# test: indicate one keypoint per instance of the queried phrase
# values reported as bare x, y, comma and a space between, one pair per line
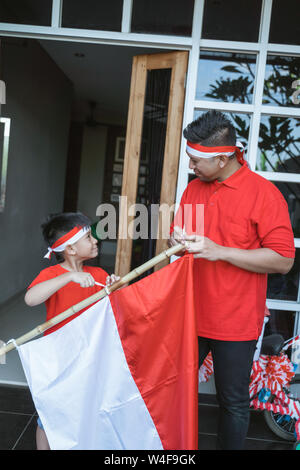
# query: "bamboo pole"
92, 299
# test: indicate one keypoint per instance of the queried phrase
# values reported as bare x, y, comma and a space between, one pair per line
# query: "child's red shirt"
70, 294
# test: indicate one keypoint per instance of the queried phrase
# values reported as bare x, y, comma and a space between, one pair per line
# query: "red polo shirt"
245, 211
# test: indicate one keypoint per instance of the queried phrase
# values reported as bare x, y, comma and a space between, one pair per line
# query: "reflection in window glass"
173, 17
33, 12
281, 72
240, 121
92, 14
285, 286
285, 25
279, 145
281, 322
231, 20
291, 193
226, 76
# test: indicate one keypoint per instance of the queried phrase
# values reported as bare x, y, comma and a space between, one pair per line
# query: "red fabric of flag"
157, 327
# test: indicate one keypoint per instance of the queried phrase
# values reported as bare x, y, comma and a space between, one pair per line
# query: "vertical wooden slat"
173, 139
131, 161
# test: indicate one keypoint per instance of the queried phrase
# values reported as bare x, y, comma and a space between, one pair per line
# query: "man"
247, 234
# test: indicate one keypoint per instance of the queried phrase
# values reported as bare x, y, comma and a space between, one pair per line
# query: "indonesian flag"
124, 373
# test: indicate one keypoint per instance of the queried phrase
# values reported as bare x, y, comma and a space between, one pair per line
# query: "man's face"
206, 169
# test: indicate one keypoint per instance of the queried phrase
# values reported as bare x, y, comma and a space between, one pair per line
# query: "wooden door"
176, 64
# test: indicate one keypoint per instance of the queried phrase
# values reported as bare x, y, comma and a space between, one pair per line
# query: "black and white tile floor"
18, 423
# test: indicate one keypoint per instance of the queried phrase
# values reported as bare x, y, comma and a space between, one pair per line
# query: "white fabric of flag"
82, 388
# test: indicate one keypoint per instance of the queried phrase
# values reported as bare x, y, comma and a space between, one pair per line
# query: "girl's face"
86, 247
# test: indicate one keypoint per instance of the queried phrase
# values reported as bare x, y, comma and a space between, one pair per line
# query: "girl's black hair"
211, 129
57, 225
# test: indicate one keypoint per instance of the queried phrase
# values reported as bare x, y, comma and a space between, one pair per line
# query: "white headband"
80, 233
197, 150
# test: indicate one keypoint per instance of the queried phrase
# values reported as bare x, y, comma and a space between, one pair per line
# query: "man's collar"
235, 180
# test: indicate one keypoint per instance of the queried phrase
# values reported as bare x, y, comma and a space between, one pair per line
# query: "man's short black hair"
57, 225
211, 129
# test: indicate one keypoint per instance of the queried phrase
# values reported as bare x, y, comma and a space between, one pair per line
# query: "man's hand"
176, 238
203, 247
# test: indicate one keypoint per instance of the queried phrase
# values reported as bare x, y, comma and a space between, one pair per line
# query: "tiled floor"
260, 437
18, 424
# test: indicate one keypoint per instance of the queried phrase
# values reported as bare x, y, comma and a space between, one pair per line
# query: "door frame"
177, 61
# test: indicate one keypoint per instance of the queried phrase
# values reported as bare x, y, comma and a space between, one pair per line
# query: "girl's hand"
84, 279
110, 280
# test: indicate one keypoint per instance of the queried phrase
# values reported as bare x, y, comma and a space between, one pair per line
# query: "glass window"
173, 17
291, 193
279, 144
281, 322
231, 20
285, 25
281, 73
226, 76
33, 12
92, 14
285, 286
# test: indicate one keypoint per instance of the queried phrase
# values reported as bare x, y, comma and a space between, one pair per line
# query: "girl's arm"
39, 293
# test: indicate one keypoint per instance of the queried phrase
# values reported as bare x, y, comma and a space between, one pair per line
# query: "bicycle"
272, 376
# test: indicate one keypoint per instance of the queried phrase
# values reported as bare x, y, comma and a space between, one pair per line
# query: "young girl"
65, 284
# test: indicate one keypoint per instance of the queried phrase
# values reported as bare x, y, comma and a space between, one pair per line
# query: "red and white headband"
71, 237
200, 151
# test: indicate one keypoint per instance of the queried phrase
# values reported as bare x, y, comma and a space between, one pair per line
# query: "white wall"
92, 170
38, 103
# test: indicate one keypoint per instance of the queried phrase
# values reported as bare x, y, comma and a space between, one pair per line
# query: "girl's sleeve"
44, 275
100, 275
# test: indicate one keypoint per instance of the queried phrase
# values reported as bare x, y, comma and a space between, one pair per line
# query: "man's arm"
260, 260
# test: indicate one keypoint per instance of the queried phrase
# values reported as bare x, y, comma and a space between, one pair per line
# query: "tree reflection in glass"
279, 144
230, 77
281, 72
226, 76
